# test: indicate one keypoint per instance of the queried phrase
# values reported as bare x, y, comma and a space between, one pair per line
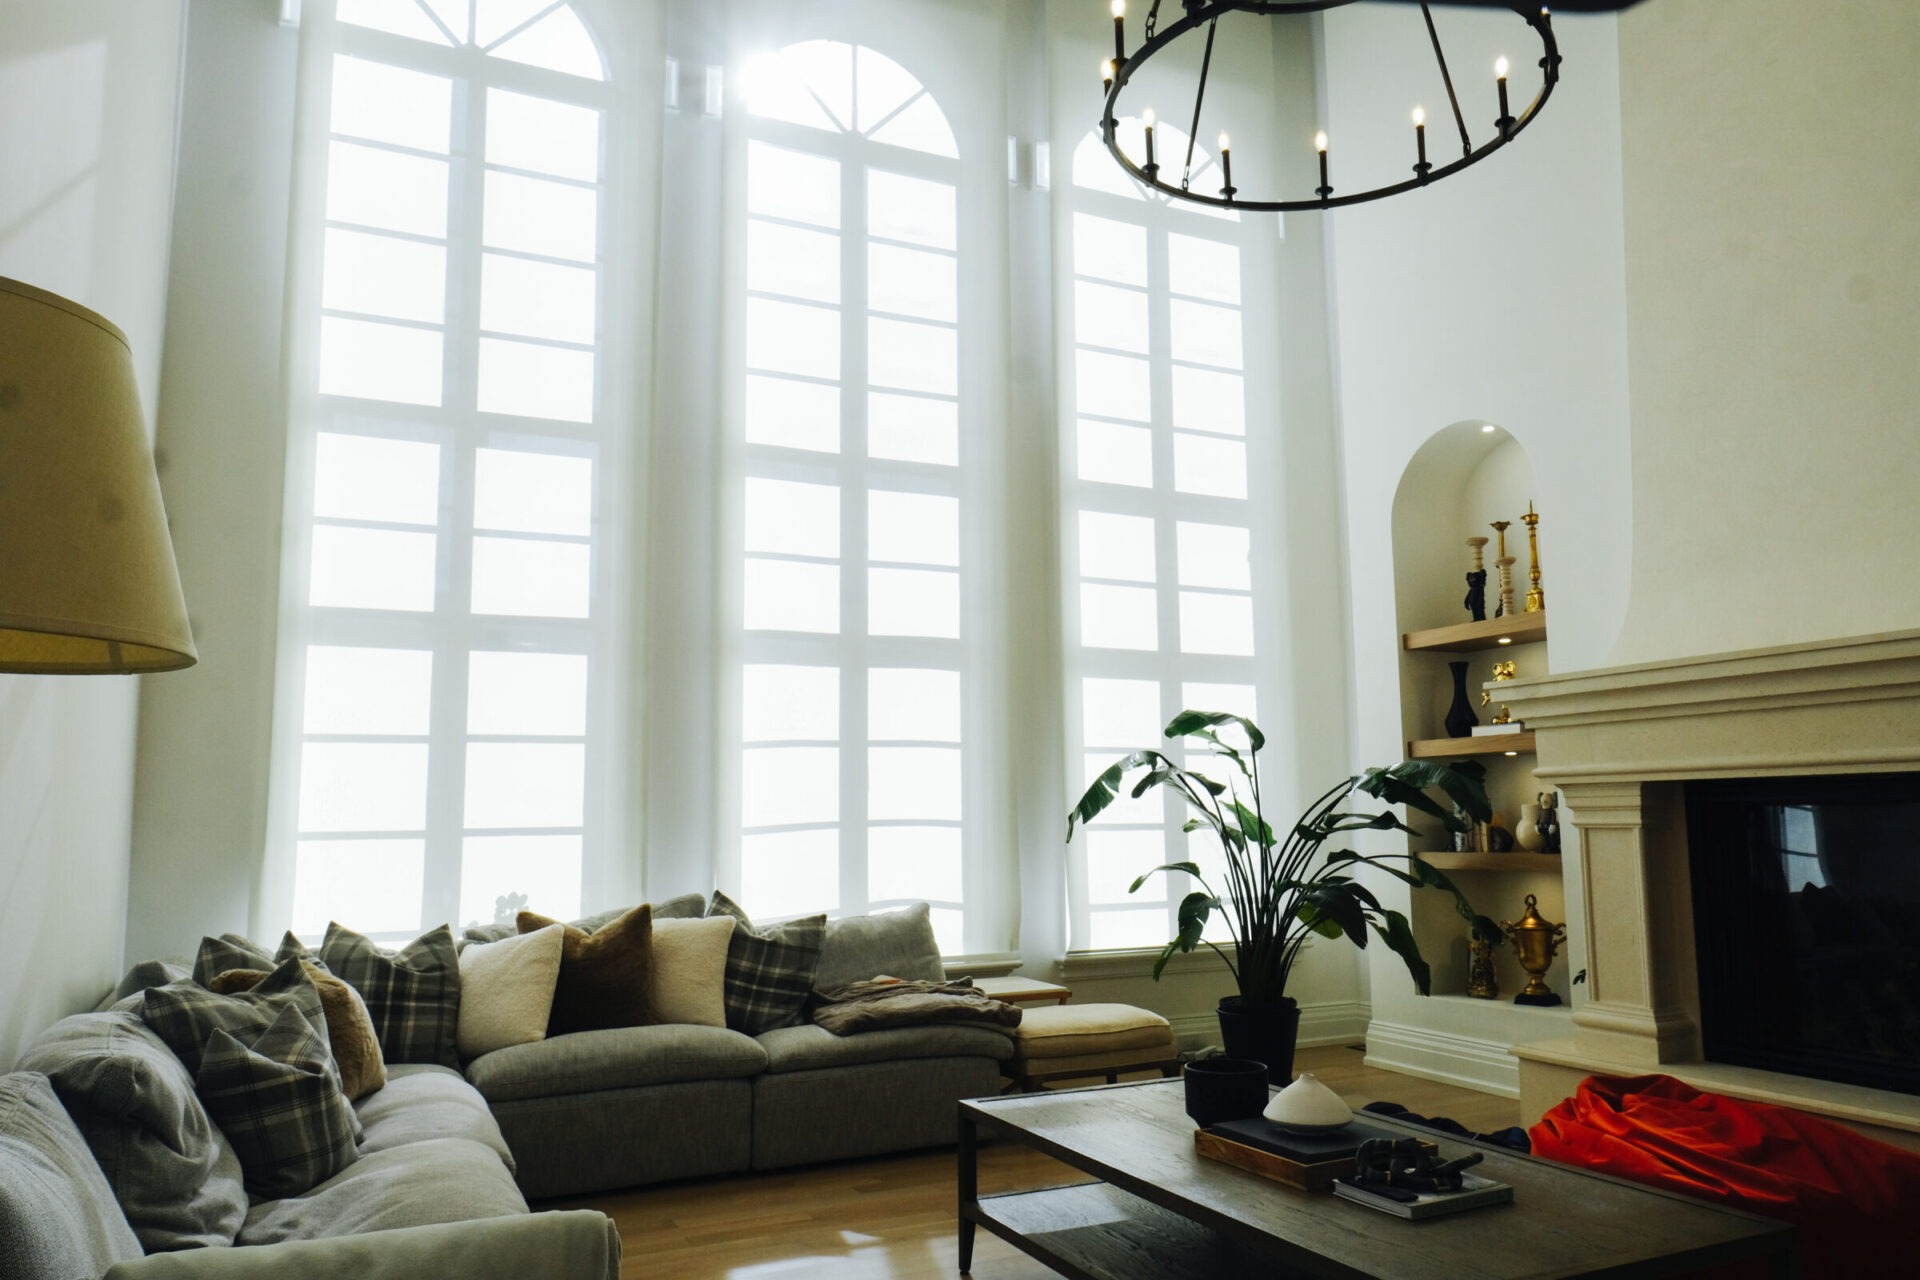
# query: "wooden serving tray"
1302, 1177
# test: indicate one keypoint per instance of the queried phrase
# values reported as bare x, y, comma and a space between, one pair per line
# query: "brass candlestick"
1505, 564
1536, 598
1535, 939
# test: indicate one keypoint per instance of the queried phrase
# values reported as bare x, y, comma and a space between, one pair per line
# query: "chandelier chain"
1433, 34
1200, 95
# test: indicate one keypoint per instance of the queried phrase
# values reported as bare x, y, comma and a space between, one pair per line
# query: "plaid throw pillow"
413, 994
769, 971
185, 1014
279, 1104
230, 951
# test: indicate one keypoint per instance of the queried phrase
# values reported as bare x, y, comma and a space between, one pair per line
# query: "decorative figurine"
1476, 601
1502, 672
1536, 598
1482, 984
1460, 718
1501, 560
1535, 939
1549, 821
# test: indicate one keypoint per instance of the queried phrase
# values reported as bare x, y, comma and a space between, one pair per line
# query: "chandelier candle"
1506, 117
1146, 119
1226, 168
1320, 145
1119, 31
1106, 72
1419, 140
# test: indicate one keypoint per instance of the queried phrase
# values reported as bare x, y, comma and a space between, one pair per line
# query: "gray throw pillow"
185, 1014
57, 1214
413, 994
230, 951
899, 944
769, 971
148, 973
279, 1102
175, 1175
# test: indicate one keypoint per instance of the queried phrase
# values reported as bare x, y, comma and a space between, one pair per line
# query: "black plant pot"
1263, 1032
1460, 717
1225, 1089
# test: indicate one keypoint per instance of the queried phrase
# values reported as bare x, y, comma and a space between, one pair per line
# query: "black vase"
1263, 1032
1225, 1089
1460, 717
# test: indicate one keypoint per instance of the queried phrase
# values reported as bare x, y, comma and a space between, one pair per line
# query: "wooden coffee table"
1158, 1211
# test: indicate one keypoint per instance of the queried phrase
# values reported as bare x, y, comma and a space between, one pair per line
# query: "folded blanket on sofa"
891, 1002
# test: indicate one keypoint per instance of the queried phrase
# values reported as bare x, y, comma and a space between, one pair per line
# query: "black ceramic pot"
1263, 1032
1225, 1089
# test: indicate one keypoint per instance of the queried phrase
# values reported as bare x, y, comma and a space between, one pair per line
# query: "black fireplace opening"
1806, 906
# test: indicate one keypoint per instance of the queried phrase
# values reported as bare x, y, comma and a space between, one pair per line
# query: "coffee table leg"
969, 1191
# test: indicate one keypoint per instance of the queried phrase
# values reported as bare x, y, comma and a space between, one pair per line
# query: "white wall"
1773, 258
1496, 295
87, 107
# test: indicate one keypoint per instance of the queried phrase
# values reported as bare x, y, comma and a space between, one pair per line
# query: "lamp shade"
88, 584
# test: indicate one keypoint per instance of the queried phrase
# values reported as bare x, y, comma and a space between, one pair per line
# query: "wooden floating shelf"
1493, 744
1518, 860
1466, 637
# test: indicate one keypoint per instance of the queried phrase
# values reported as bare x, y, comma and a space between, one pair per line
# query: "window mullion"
853, 528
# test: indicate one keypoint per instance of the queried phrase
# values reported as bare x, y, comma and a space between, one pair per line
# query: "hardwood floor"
892, 1218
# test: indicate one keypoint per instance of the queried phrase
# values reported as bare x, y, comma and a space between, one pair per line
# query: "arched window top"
538, 33
1094, 169
845, 88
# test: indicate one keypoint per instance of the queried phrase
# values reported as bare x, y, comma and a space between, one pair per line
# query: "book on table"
1475, 1193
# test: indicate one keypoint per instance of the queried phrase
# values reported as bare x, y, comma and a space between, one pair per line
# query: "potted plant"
1280, 889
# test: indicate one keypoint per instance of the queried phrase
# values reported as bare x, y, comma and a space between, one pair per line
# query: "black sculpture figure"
1476, 600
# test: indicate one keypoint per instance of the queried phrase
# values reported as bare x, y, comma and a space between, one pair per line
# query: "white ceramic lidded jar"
1307, 1106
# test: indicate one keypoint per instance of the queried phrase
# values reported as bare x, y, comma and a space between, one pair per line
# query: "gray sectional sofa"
601, 1110
108, 1166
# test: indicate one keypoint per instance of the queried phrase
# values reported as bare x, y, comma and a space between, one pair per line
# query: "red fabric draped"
1854, 1200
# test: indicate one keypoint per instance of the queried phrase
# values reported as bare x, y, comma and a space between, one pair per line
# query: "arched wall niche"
1461, 479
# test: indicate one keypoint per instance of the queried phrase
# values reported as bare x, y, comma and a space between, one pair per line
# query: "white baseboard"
1467, 1061
1336, 1022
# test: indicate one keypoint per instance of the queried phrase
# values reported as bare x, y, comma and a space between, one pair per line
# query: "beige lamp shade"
88, 583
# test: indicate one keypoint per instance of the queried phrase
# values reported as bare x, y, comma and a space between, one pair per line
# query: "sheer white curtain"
452, 634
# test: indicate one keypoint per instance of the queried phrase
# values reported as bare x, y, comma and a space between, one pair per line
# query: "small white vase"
1527, 834
1308, 1106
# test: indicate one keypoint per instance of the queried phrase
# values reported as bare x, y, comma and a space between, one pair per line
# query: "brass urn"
1535, 940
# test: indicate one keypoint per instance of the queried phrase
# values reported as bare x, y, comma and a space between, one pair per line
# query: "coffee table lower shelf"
1096, 1231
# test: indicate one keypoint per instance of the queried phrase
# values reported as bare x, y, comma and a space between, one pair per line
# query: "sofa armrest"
576, 1244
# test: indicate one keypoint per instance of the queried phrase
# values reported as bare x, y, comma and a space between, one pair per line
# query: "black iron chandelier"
1206, 14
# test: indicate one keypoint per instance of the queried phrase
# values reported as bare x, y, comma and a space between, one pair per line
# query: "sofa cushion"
421, 1102
148, 973
769, 971
1077, 1030
58, 1218
899, 944
175, 1175
619, 1058
690, 970
687, 906
506, 990
441, 1180
279, 1102
606, 977
185, 1014
811, 1048
356, 1050
413, 994
232, 951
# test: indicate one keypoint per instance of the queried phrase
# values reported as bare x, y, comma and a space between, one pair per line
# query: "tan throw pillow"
606, 977
690, 970
356, 1050
506, 990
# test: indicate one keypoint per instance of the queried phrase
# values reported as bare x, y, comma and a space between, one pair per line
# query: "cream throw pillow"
690, 970
506, 990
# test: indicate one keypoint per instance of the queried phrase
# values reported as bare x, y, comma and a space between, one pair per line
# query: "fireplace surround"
1622, 744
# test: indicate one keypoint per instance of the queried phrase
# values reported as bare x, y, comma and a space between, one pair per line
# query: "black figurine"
1476, 600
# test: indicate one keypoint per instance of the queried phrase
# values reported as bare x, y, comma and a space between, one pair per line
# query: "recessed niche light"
1513, 753
1504, 640
1488, 429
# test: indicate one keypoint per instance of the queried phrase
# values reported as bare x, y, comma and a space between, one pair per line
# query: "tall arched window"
451, 589
854, 651
1162, 579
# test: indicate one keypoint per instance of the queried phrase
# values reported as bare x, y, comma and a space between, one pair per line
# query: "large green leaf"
1190, 868
1106, 787
1188, 723
1409, 781
1398, 936
1251, 825
1338, 903
1317, 921
1335, 823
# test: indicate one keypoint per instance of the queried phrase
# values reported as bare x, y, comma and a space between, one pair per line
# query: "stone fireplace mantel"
1619, 742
